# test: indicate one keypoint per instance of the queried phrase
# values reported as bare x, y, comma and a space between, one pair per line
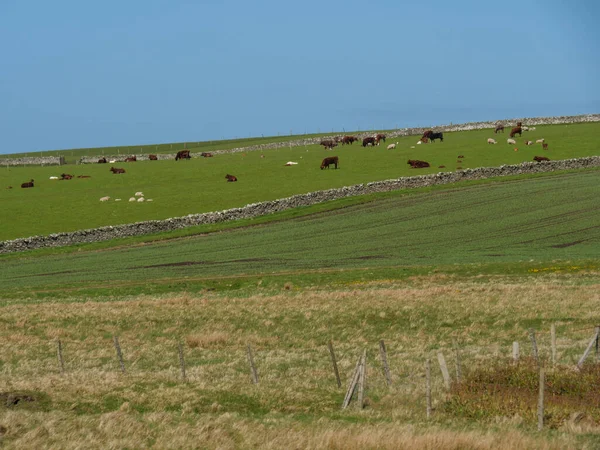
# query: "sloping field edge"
263, 208
584, 118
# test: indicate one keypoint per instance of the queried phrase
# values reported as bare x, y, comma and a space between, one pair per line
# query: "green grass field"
184, 187
532, 220
476, 263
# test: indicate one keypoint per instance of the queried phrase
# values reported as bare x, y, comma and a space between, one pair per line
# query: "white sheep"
112, 161
419, 143
532, 129
392, 146
105, 199
149, 200
528, 143
141, 199
117, 199
139, 194
540, 141
54, 178
491, 141
511, 141
132, 199
525, 128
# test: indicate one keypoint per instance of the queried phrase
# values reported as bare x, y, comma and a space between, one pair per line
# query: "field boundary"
417, 131
268, 207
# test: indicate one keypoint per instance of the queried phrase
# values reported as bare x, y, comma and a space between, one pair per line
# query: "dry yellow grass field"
296, 403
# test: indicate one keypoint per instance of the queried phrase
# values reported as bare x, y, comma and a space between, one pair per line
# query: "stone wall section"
33, 161
269, 207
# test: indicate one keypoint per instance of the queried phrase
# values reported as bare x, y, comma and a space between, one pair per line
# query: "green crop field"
182, 187
532, 220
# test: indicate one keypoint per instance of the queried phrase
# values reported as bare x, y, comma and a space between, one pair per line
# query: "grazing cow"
416, 164
545, 146
183, 154
330, 160
434, 136
131, 159
528, 143
84, 176
102, 160
516, 130
380, 137
368, 140
491, 141
27, 185
441, 167
511, 141
117, 170
460, 156
328, 143
65, 176
153, 157
499, 128
349, 140
540, 158
392, 146
539, 141
426, 135
206, 155
231, 177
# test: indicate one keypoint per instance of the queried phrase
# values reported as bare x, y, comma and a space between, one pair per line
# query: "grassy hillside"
183, 187
536, 221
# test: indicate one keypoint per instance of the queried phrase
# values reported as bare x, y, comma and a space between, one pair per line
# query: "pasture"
183, 187
478, 264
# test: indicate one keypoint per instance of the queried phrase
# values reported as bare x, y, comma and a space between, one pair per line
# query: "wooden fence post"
428, 386
181, 361
534, 345
334, 362
384, 361
589, 347
553, 342
458, 364
253, 371
352, 385
515, 352
540, 408
444, 369
362, 379
119, 353
61, 362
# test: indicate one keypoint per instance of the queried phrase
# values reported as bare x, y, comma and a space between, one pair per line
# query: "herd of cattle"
429, 136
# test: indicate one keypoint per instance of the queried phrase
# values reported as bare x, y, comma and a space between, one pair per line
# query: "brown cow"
117, 170
416, 164
83, 176
65, 176
102, 160
545, 146
131, 159
231, 177
330, 160
206, 155
328, 143
368, 140
27, 185
516, 130
153, 157
380, 137
540, 158
183, 154
499, 128
349, 140
426, 134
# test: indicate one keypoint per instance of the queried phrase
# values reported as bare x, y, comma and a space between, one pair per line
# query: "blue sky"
86, 74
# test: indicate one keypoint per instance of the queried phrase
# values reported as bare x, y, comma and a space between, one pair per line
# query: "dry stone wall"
34, 161
259, 209
532, 121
